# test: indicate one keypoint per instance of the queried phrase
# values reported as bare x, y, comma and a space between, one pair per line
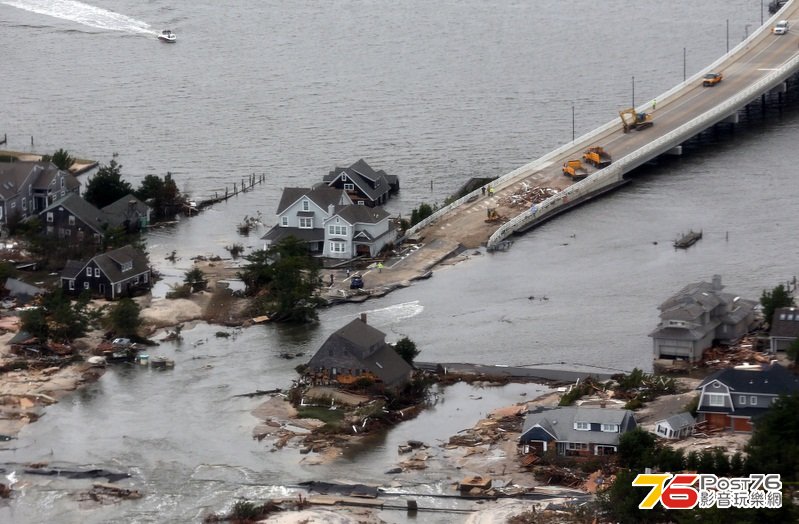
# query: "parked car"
356, 282
711, 79
780, 28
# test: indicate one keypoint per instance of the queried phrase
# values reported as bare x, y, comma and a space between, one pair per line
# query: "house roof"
322, 195
278, 233
676, 333
359, 344
364, 177
770, 380
13, 176
18, 288
785, 322
110, 264
41, 174
678, 421
83, 210
559, 422
355, 214
126, 208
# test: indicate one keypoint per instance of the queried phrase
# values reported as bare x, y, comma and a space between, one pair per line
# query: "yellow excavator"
631, 119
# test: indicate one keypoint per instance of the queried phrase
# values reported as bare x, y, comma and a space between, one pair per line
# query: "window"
88, 271
306, 223
337, 247
85, 285
284, 221
361, 203
119, 288
337, 230
610, 428
71, 283
349, 187
582, 426
127, 266
50, 216
71, 220
145, 277
343, 177
753, 400
97, 272
306, 206
24, 204
715, 399
742, 400
577, 446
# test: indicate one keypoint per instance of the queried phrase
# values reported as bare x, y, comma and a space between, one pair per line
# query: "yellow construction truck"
574, 169
631, 119
597, 157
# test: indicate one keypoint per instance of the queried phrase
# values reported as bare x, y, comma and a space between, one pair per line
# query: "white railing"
542, 162
615, 171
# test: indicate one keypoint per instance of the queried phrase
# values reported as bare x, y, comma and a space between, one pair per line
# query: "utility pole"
683, 64
633, 91
728, 35
572, 122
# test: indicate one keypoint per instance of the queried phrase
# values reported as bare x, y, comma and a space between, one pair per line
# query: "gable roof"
83, 210
46, 172
772, 379
678, 421
559, 422
785, 322
110, 264
322, 195
355, 214
119, 211
364, 177
13, 176
358, 344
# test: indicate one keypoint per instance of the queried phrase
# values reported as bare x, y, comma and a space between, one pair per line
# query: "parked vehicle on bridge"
574, 169
597, 157
631, 119
780, 28
711, 79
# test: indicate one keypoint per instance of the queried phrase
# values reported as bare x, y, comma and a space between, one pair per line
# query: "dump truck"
597, 157
631, 119
574, 169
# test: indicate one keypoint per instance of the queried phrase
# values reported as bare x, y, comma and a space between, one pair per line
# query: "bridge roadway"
759, 65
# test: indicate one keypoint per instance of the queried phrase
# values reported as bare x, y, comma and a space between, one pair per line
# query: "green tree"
107, 186
125, 318
34, 322
637, 449
793, 351
161, 194
62, 159
774, 446
58, 318
418, 214
406, 348
774, 299
195, 279
285, 279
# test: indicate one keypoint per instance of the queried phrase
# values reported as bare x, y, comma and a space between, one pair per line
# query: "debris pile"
527, 196
560, 476
743, 352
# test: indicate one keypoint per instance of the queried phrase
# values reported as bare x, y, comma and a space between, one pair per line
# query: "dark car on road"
356, 282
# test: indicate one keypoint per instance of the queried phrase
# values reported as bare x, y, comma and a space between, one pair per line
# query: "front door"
102, 289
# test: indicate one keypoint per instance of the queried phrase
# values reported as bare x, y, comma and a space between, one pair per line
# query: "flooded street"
434, 93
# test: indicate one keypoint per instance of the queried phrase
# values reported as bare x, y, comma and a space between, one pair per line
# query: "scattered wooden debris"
527, 196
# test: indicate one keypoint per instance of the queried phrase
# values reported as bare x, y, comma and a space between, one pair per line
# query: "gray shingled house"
676, 426
784, 328
733, 398
28, 187
357, 351
699, 315
364, 185
575, 431
117, 273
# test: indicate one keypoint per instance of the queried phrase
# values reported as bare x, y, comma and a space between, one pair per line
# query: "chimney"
363, 318
717, 283
331, 210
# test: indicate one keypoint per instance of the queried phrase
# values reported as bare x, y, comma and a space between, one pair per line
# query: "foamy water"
85, 14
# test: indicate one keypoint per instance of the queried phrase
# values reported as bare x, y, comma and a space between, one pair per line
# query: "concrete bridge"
759, 66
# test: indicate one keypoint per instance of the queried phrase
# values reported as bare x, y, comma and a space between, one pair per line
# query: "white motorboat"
167, 36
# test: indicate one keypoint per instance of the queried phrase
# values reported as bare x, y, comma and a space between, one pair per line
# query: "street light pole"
761, 12
633, 91
572, 122
728, 35
683, 64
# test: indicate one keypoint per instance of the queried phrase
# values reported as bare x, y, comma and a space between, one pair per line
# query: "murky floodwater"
432, 92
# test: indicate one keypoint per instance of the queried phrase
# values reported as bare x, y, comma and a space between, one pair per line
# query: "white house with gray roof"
699, 315
575, 431
330, 224
676, 426
26, 188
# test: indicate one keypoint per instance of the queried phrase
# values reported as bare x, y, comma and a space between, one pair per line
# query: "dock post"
412, 507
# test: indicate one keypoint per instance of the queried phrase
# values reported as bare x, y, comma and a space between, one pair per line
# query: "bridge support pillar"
781, 88
731, 119
675, 151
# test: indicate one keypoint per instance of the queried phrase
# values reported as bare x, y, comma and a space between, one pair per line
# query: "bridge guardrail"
615, 171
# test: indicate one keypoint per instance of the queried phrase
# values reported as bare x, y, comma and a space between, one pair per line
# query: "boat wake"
83, 14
